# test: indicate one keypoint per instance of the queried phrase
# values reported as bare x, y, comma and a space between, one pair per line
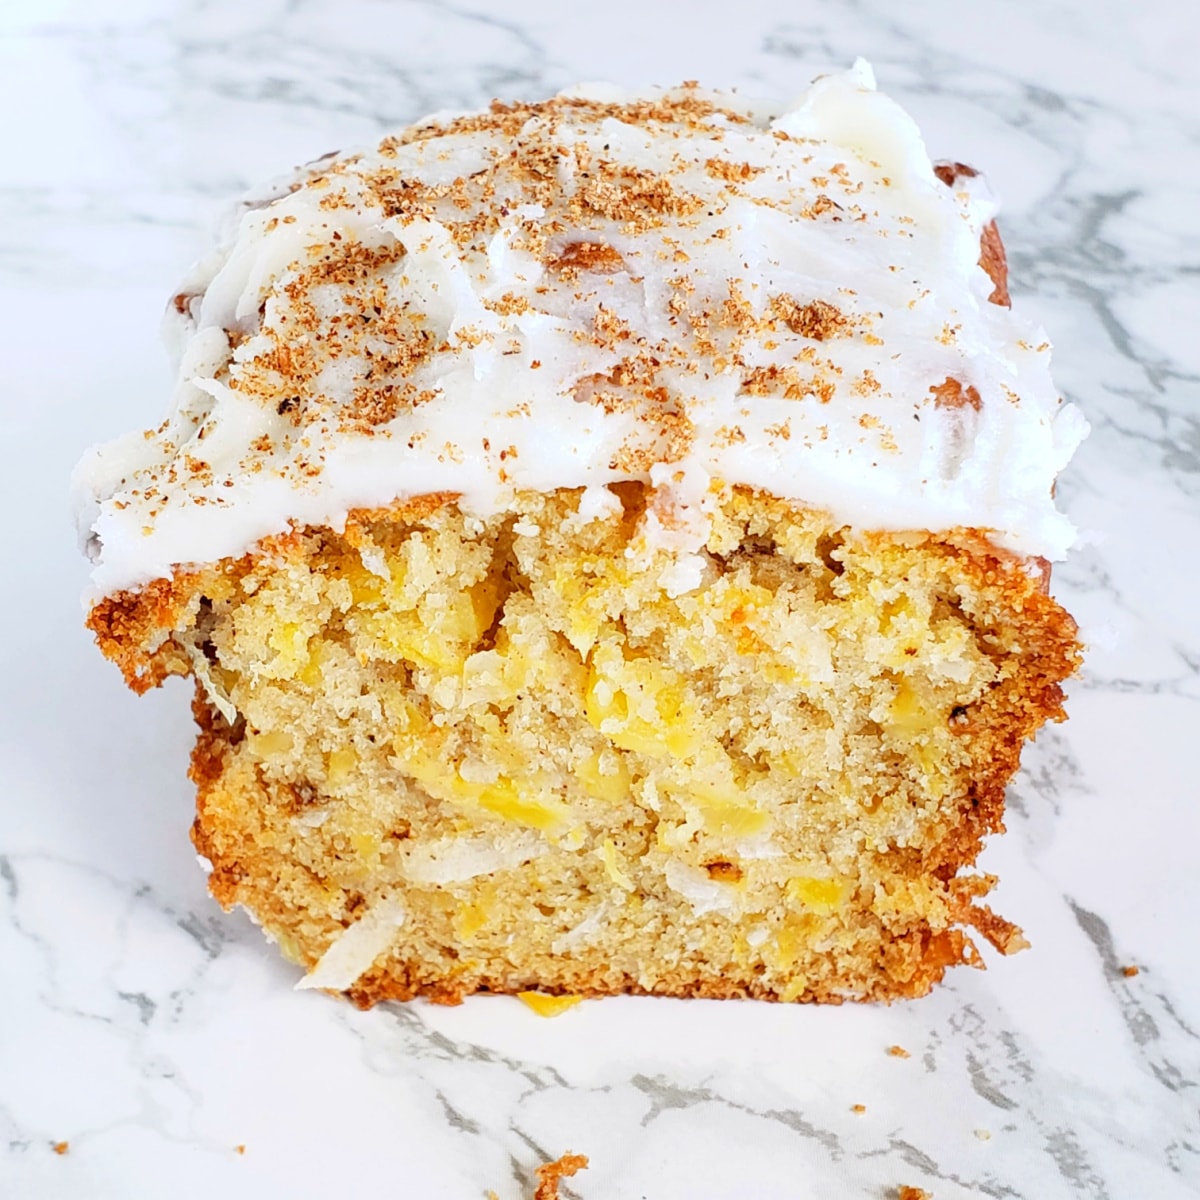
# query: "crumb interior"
562, 761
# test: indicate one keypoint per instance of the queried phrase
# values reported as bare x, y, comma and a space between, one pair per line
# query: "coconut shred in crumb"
681, 286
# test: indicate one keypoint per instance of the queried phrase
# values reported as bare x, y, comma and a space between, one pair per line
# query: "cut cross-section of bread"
460, 755
610, 539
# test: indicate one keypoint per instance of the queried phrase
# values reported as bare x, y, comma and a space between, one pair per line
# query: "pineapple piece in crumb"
528, 802
340, 765
271, 743
614, 865
604, 776
793, 937
820, 896
439, 637
910, 714
590, 589
640, 705
523, 804
469, 920
714, 801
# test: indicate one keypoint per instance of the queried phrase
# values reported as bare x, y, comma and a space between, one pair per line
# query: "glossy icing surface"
678, 287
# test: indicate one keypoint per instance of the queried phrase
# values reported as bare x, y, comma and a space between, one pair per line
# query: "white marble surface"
156, 1035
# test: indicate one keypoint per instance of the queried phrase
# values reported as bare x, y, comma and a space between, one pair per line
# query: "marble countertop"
156, 1043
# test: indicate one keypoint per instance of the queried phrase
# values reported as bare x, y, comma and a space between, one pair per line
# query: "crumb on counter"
546, 1005
858, 1108
550, 1174
1130, 971
898, 1052
61, 1148
912, 1193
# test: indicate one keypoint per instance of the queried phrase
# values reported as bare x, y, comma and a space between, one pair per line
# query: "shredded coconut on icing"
681, 288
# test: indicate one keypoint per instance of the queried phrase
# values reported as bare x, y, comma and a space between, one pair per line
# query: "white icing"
509, 398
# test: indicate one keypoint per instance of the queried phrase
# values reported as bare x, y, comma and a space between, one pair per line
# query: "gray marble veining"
156, 1036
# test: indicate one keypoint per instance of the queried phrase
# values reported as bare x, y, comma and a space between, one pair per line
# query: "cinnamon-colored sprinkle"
951, 393
589, 256
818, 319
731, 172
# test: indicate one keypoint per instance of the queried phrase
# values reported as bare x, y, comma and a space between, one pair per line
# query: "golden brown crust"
133, 626
992, 257
995, 262
130, 628
916, 946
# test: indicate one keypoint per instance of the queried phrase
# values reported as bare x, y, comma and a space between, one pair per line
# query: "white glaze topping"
684, 288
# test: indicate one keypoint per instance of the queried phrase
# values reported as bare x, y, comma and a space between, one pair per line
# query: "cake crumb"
546, 1005
1130, 971
858, 1108
898, 1052
61, 1148
912, 1193
549, 1175
984, 1135
240, 1148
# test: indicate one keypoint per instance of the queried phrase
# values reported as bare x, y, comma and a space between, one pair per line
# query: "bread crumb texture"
441, 755
550, 1174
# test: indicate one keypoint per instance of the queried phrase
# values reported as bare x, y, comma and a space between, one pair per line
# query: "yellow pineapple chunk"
820, 896
792, 939
545, 812
270, 742
612, 785
318, 655
793, 989
439, 637
524, 804
587, 593
290, 643
613, 864
640, 706
907, 713
712, 797
340, 765
366, 588
546, 1005
366, 846
727, 816
469, 920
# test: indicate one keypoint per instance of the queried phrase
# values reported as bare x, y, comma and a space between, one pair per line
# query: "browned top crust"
992, 257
